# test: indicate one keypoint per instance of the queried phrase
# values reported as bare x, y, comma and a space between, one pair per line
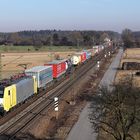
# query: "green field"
43, 48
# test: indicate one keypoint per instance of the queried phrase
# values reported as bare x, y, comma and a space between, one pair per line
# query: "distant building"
107, 40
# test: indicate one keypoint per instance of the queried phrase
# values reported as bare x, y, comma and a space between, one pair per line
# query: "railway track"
13, 128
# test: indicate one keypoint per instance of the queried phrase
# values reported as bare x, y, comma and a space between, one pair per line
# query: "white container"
96, 49
76, 59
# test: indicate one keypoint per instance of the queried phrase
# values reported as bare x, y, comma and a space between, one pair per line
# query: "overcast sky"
17, 15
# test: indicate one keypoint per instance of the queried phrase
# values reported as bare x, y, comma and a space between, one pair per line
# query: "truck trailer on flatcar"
44, 75
58, 66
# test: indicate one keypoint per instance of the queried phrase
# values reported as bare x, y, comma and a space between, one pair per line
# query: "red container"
59, 67
83, 56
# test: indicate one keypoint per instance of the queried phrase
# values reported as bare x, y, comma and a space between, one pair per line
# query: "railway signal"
56, 104
98, 64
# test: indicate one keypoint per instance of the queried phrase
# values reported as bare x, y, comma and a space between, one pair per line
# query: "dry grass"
10, 61
125, 73
130, 55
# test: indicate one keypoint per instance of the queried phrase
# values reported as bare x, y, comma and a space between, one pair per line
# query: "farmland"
4, 48
15, 58
13, 63
130, 55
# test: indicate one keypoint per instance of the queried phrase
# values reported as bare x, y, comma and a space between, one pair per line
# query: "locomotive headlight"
1, 105
1, 102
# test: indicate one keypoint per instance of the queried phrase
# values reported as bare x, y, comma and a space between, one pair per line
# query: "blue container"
88, 54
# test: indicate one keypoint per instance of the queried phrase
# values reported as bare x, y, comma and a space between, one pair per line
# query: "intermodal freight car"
96, 49
43, 74
88, 54
20, 87
78, 58
58, 66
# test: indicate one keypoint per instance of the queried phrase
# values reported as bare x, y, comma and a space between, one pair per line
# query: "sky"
116, 15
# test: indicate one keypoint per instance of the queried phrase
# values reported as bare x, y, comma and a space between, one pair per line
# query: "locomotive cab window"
1, 94
9, 92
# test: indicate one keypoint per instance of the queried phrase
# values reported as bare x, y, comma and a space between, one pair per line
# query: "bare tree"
127, 38
117, 111
103, 36
77, 37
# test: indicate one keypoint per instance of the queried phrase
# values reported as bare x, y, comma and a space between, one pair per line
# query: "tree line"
56, 38
131, 39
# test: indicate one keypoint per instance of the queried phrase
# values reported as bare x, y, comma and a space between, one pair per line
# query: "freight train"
19, 88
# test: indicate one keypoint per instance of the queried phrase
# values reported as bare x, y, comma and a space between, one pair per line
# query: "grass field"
42, 49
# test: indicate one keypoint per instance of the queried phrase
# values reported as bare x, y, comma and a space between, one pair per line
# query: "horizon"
70, 30
79, 15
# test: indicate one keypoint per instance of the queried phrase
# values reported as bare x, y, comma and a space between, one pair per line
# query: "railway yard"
36, 118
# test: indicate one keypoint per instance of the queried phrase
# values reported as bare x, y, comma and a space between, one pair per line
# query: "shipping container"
66, 61
78, 58
88, 54
24, 89
83, 56
92, 52
44, 74
58, 66
96, 49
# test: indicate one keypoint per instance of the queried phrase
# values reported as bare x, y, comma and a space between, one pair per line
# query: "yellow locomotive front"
7, 98
17, 92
